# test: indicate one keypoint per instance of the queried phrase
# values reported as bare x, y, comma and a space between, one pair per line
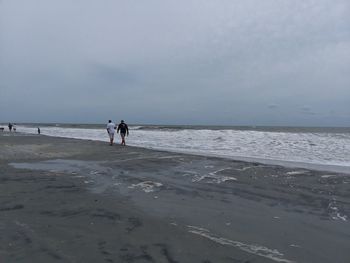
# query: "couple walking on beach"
12, 127
122, 127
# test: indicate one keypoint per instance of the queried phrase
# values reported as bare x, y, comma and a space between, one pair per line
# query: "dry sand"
65, 200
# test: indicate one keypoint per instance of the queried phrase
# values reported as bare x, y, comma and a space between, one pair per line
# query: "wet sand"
65, 200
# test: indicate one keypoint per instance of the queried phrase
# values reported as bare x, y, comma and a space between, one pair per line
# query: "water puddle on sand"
58, 165
97, 177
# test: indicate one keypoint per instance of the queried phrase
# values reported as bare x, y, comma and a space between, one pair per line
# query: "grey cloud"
109, 77
184, 61
307, 110
272, 106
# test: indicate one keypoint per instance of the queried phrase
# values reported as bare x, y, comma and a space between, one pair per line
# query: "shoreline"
84, 201
333, 168
272, 162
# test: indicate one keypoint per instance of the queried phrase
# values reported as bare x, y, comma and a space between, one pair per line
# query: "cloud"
228, 60
272, 106
307, 110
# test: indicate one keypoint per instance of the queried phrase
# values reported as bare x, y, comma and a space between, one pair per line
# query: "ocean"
314, 148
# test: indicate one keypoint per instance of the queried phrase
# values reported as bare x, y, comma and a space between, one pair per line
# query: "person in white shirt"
111, 129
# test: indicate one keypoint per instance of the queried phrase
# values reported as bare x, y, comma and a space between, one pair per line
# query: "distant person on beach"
38, 130
10, 127
124, 130
110, 130
14, 127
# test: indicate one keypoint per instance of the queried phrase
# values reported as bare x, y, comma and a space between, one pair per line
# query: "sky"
200, 62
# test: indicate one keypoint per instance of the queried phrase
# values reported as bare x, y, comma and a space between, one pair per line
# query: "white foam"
294, 245
329, 150
262, 251
244, 168
328, 175
296, 172
225, 178
169, 157
218, 171
212, 177
334, 211
88, 181
339, 216
146, 186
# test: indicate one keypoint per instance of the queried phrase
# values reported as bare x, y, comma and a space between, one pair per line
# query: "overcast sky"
230, 62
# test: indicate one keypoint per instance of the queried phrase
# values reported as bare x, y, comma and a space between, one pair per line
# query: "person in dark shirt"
124, 130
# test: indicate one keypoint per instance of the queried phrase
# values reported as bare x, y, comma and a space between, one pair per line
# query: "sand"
66, 200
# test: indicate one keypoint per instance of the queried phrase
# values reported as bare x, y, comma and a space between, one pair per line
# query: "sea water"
316, 148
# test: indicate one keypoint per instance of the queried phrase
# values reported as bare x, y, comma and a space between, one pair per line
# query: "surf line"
272, 254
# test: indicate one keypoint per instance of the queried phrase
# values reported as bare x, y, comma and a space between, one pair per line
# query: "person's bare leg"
111, 139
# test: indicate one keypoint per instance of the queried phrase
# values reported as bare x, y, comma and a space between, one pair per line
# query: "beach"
70, 200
